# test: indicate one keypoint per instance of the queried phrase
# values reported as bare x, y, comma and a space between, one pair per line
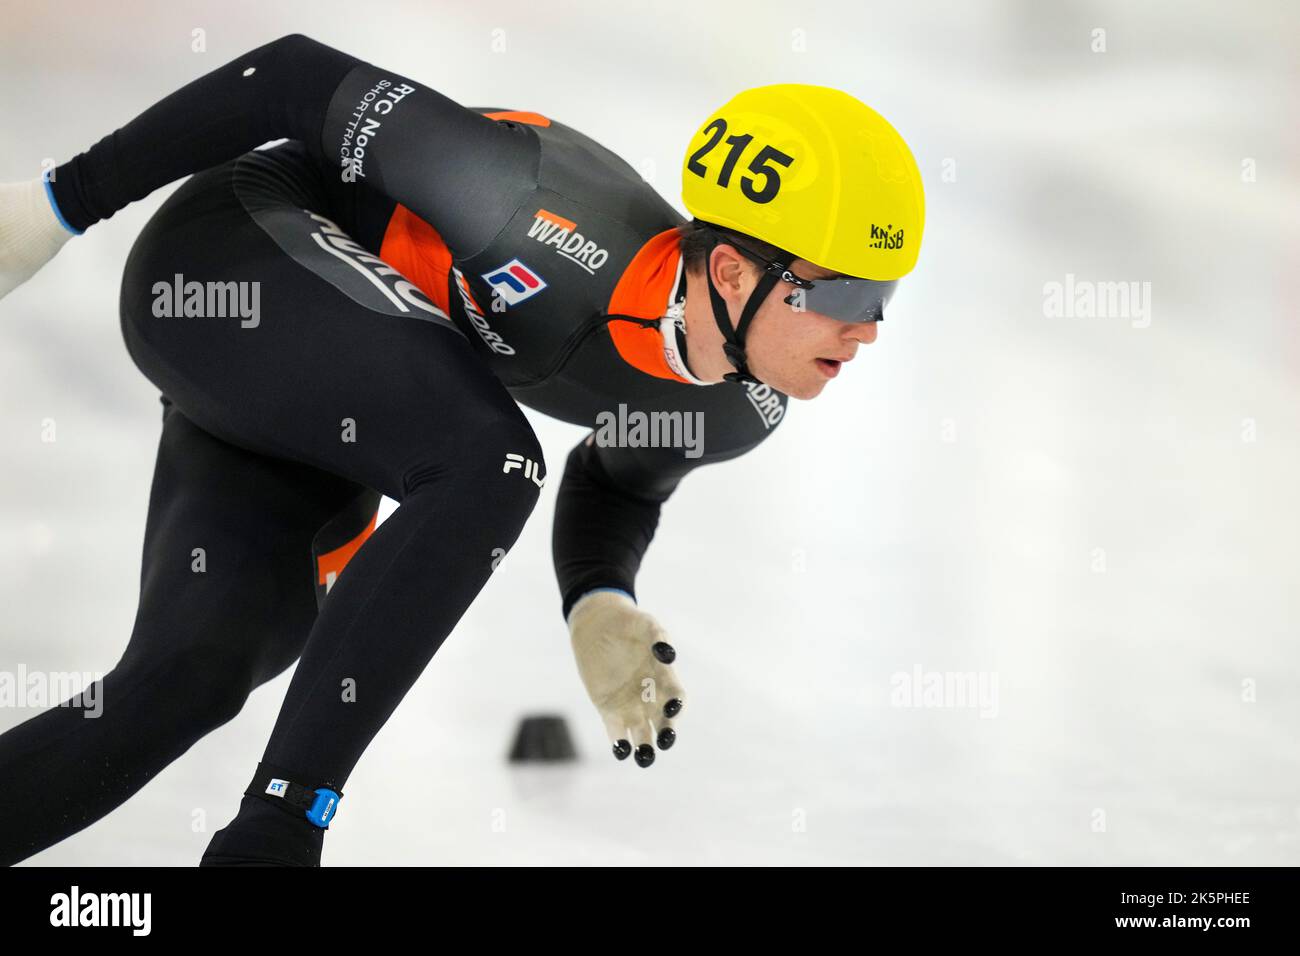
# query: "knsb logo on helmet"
884, 239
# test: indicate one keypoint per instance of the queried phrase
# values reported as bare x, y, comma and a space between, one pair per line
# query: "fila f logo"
514, 282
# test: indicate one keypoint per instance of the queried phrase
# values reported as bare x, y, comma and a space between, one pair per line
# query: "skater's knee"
509, 468
499, 464
518, 453
198, 686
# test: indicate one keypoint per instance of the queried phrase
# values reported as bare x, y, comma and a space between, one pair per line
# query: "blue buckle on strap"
323, 808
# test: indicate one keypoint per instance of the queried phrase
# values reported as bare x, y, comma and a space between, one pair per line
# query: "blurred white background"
1099, 512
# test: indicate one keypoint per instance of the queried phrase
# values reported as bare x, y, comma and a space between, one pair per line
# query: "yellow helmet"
813, 171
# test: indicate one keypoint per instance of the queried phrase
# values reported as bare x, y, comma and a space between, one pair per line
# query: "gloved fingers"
667, 705
663, 703
661, 647
616, 729
672, 697
663, 652
665, 733
665, 655
643, 734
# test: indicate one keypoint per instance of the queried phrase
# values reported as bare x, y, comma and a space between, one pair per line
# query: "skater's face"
794, 350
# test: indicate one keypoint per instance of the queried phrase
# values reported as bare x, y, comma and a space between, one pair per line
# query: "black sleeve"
601, 530
607, 508
448, 164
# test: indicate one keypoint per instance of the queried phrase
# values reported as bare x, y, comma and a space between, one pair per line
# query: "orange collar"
644, 291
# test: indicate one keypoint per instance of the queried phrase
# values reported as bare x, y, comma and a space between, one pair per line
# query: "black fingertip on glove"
664, 651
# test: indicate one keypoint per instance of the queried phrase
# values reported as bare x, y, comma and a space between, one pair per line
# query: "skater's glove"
625, 661
30, 232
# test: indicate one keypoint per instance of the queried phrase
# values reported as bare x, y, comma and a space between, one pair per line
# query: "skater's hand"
30, 232
624, 659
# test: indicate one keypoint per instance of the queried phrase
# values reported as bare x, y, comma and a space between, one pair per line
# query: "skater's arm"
610, 497
607, 510
364, 124
602, 528
605, 516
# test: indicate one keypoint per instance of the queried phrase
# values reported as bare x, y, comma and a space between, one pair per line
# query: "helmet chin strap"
733, 344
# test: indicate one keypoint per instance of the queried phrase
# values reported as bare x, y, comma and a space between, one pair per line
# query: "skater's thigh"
227, 588
328, 362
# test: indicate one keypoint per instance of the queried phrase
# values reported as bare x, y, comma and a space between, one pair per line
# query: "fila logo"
529, 466
514, 282
552, 230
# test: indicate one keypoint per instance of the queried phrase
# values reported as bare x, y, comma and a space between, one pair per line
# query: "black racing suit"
355, 312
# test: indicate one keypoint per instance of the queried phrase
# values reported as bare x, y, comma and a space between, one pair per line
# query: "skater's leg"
384, 620
226, 603
331, 375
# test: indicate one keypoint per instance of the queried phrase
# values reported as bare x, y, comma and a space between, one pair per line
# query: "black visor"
848, 300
